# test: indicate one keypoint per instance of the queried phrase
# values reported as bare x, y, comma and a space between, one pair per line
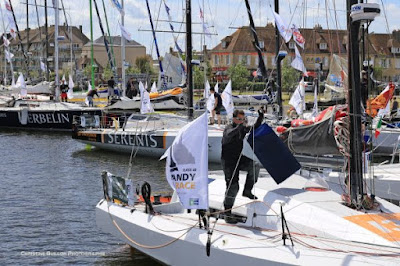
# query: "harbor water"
50, 185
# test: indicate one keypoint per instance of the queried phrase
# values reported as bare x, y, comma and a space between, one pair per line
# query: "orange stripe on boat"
164, 139
386, 225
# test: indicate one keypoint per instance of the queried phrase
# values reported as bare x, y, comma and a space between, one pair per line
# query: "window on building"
323, 46
325, 61
384, 63
224, 44
292, 45
216, 60
248, 60
261, 44
397, 63
256, 61
395, 50
227, 59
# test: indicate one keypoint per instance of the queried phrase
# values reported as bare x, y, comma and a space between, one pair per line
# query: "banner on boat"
187, 164
118, 189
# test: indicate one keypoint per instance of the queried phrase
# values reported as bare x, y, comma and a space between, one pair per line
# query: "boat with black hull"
42, 115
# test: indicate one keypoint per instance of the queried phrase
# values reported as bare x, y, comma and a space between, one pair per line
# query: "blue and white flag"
118, 6
283, 28
187, 164
125, 33
298, 63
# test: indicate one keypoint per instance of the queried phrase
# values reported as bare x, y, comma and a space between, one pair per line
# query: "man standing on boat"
90, 95
111, 84
233, 161
217, 106
64, 90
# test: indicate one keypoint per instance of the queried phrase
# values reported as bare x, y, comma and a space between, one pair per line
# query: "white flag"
206, 92
187, 164
145, 86
42, 66
9, 56
10, 17
89, 86
145, 106
297, 99
283, 28
21, 85
298, 63
125, 33
141, 88
63, 78
227, 100
297, 37
216, 87
315, 107
6, 41
71, 85
153, 87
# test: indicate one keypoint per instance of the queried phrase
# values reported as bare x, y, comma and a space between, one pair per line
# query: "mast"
164, 84
278, 65
56, 11
19, 36
123, 47
109, 34
5, 48
27, 36
91, 44
40, 36
189, 80
355, 160
256, 43
70, 35
47, 40
204, 48
105, 39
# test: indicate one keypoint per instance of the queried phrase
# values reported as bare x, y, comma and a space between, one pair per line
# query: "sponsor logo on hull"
132, 139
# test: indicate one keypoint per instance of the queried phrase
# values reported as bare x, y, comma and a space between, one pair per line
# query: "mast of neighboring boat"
27, 37
355, 160
123, 59
69, 27
46, 31
91, 44
278, 65
56, 24
40, 36
5, 36
189, 80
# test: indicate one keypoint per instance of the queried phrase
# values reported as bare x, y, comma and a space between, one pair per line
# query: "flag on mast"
125, 33
9, 55
298, 63
297, 37
187, 164
71, 85
283, 28
10, 17
206, 31
297, 100
6, 41
227, 100
118, 6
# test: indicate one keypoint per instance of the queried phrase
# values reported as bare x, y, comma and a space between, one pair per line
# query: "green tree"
378, 72
87, 71
290, 76
239, 74
132, 70
145, 64
107, 72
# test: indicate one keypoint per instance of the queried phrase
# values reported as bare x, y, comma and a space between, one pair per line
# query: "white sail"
227, 99
71, 85
145, 107
21, 85
297, 99
173, 73
153, 87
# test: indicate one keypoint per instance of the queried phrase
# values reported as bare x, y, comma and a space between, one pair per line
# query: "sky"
222, 16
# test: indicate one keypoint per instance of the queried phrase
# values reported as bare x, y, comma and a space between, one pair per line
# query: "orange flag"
380, 101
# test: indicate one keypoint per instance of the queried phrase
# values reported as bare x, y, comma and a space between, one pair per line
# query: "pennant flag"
21, 85
298, 63
315, 107
216, 87
187, 164
9, 55
227, 100
141, 88
283, 28
118, 6
125, 33
70, 93
380, 101
153, 87
297, 100
145, 107
378, 128
206, 92
6, 41
277, 158
43, 66
297, 37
